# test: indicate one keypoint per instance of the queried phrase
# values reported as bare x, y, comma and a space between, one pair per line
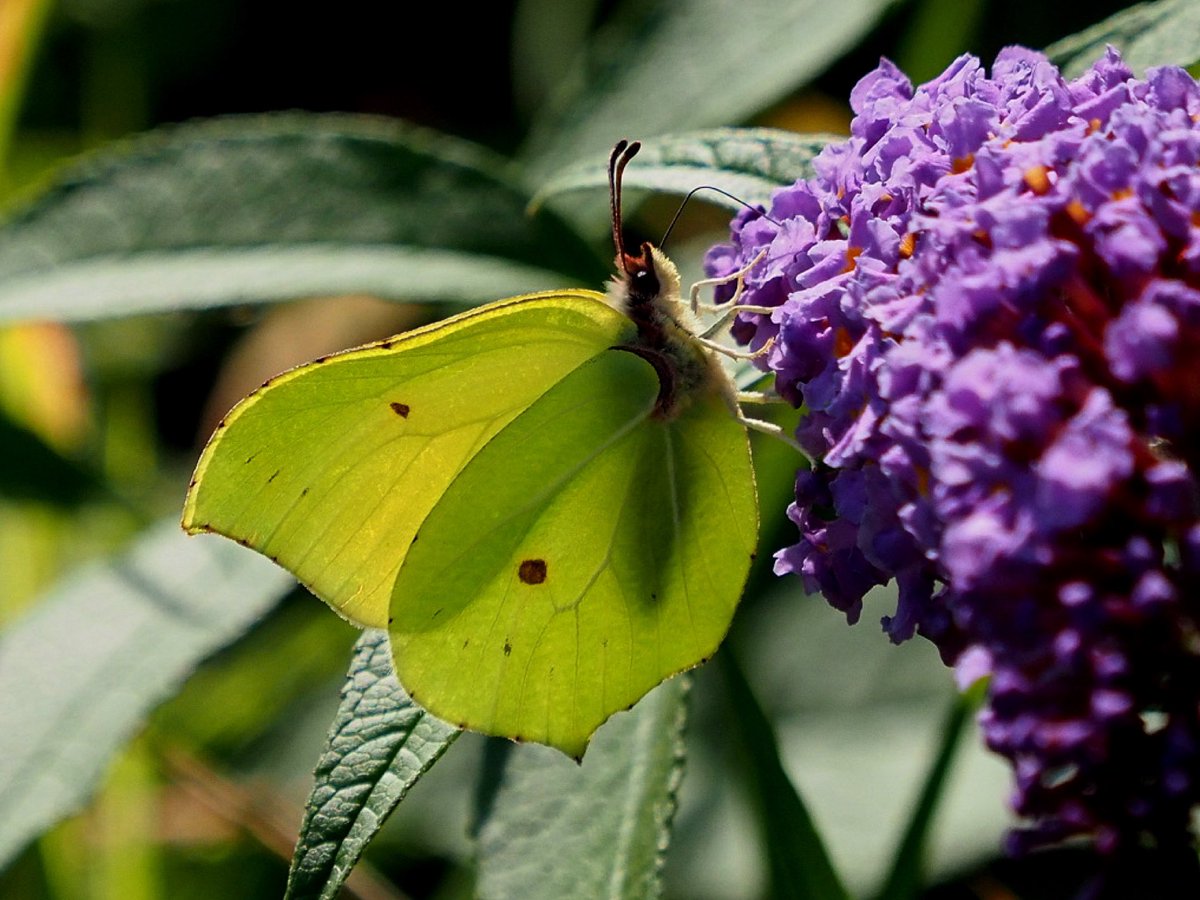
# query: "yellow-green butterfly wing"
589, 551
330, 468
549, 501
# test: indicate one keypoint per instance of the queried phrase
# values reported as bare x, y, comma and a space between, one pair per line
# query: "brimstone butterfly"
548, 501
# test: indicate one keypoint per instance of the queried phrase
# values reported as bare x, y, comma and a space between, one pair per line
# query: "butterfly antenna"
709, 187
622, 153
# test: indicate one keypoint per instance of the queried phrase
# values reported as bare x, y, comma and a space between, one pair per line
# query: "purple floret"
988, 302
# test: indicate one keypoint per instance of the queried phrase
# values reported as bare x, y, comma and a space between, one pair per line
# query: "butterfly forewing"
330, 468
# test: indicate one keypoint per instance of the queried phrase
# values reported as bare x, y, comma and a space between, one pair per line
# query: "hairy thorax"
647, 290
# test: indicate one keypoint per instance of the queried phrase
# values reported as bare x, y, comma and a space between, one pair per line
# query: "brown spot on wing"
532, 571
400, 409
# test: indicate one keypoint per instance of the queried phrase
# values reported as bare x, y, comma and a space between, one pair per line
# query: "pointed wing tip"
191, 499
190, 526
190, 519
573, 750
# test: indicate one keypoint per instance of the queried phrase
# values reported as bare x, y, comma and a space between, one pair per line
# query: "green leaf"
857, 721
277, 207
1149, 34
380, 745
690, 64
799, 864
600, 829
79, 673
908, 864
751, 163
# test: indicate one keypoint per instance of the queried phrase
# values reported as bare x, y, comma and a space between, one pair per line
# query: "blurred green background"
206, 800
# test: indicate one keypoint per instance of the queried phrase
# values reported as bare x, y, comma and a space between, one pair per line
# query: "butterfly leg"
718, 347
759, 397
728, 314
739, 276
776, 431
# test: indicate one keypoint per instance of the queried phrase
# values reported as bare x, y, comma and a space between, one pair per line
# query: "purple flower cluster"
988, 305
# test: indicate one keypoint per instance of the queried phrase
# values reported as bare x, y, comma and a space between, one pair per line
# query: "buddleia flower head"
987, 301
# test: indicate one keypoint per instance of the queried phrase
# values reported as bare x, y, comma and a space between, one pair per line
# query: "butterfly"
548, 501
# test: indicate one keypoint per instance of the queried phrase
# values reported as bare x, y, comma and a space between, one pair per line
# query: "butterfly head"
648, 275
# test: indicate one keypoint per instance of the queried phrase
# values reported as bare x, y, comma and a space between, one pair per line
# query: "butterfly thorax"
646, 289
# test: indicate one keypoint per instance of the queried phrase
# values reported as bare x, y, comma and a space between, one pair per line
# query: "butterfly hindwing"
589, 551
330, 468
